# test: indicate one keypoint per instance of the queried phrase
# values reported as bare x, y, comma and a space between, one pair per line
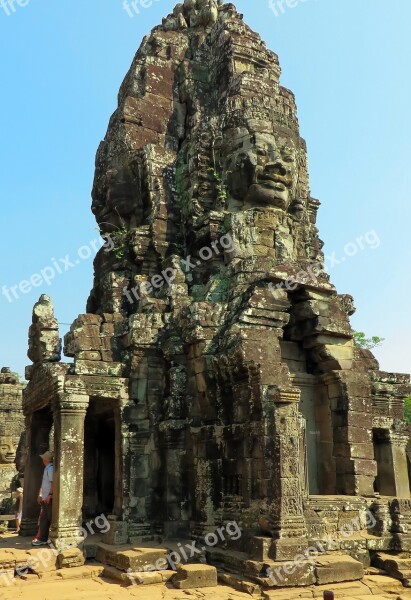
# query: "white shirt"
47, 481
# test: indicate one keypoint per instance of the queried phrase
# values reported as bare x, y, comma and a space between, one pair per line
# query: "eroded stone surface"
215, 377
11, 429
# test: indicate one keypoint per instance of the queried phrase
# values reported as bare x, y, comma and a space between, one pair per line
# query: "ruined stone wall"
11, 430
213, 337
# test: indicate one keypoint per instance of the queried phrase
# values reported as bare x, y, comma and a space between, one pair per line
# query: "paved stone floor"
83, 584
90, 589
96, 588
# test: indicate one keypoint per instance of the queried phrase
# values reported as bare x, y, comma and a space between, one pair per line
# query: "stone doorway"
384, 483
99, 459
40, 439
319, 473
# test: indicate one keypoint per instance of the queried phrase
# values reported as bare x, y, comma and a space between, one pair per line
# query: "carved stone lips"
275, 181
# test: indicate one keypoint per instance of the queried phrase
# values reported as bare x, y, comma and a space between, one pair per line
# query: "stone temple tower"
215, 377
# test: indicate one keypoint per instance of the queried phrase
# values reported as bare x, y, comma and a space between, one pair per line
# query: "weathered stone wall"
216, 357
11, 430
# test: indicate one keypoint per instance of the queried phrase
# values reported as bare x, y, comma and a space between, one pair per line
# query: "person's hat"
47, 456
19, 490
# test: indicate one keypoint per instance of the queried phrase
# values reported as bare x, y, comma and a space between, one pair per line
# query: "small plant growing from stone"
367, 343
222, 195
120, 237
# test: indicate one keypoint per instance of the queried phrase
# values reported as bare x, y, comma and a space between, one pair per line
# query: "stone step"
229, 560
383, 583
239, 583
337, 568
397, 566
325, 569
133, 559
184, 549
280, 574
194, 577
85, 572
385, 561
346, 591
137, 578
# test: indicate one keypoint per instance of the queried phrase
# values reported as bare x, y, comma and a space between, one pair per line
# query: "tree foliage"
19, 378
407, 410
367, 343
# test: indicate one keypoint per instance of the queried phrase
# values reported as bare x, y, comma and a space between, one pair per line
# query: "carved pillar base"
117, 535
140, 532
65, 537
29, 527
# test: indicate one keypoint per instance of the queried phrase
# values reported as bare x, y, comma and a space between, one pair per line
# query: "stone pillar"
141, 455
285, 494
69, 416
402, 485
173, 440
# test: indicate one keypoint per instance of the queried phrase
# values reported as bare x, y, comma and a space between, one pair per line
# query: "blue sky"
348, 63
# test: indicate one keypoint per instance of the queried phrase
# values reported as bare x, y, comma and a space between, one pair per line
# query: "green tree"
20, 379
367, 343
407, 410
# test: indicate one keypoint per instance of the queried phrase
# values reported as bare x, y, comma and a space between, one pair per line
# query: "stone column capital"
399, 439
71, 403
280, 395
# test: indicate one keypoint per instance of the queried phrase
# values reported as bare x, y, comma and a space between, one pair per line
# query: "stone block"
85, 572
337, 568
351, 434
357, 466
240, 584
43, 560
70, 558
117, 534
138, 559
194, 576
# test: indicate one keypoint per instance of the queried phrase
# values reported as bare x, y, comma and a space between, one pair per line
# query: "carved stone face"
7, 450
262, 169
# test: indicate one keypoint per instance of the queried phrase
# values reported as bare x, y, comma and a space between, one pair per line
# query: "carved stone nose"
277, 167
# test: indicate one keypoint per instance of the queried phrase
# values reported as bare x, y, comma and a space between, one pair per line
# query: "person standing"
45, 499
18, 508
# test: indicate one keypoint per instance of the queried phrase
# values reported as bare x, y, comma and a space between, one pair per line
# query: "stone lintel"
283, 395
